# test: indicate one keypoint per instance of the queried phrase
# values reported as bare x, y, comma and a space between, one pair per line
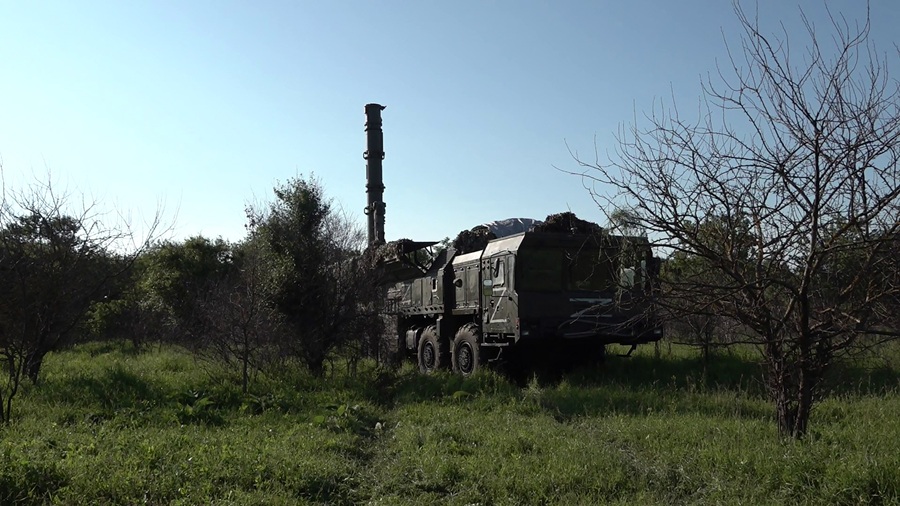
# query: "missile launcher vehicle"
531, 294
561, 289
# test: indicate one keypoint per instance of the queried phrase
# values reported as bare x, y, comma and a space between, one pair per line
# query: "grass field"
109, 425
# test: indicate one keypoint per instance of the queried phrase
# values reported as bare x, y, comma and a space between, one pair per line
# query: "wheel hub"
428, 355
464, 358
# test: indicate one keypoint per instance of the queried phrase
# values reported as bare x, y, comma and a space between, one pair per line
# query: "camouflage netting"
475, 239
394, 263
390, 250
567, 223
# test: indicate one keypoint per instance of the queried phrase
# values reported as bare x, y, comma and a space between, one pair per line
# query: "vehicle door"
496, 293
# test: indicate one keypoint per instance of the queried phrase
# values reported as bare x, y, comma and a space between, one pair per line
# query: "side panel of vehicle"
499, 300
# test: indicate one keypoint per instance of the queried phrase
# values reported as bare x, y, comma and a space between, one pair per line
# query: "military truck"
563, 292
558, 296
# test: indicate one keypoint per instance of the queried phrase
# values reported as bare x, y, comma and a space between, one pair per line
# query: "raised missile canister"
374, 155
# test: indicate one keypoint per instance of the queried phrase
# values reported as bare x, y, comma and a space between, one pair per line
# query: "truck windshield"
560, 269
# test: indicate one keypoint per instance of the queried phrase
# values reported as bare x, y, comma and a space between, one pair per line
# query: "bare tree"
704, 325
57, 257
240, 324
795, 157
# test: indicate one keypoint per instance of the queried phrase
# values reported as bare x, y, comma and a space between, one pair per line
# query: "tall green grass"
115, 425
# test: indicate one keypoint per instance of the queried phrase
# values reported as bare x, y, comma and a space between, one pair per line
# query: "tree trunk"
804, 403
786, 414
33, 363
316, 366
245, 366
245, 359
705, 354
793, 406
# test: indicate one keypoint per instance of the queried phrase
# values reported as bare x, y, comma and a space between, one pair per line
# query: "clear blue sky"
204, 105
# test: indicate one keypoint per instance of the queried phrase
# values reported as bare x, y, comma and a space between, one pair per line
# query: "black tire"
433, 353
466, 352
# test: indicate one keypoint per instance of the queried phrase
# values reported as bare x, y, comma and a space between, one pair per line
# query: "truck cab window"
499, 272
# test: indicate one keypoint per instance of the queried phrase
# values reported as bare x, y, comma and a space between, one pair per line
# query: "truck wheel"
432, 352
466, 352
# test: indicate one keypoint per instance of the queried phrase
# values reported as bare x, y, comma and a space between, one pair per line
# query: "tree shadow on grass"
109, 347
728, 385
114, 388
736, 372
850, 378
118, 393
565, 402
635, 386
723, 373
415, 387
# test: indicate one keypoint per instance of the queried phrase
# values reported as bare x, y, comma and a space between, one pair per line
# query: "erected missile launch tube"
374, 155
